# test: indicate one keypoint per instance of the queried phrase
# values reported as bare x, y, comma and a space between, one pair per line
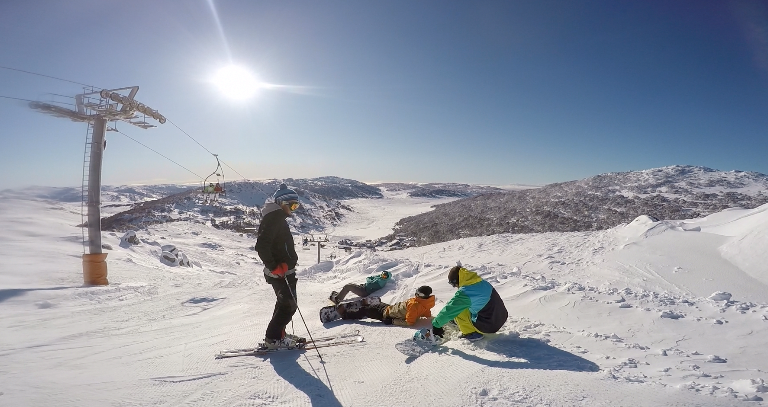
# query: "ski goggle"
293, 205
454, 283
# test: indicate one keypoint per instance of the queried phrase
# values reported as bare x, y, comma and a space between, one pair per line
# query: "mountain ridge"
594, 203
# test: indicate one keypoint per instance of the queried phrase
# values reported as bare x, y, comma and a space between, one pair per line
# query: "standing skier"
275, 247
476, 307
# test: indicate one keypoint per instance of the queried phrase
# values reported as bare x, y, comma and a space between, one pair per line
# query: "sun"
236, 82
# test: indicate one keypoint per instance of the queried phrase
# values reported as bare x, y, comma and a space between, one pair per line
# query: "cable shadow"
534, 353
286, 365
9, 293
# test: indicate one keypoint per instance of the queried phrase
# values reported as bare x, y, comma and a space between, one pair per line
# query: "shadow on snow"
287, 366
530, 352
9, 293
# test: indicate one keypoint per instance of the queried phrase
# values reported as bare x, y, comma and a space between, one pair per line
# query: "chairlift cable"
29, 100
49, 76
96, 87
204, 148
21, 99
193, 139
158, 153
215, 155
99, 88
241, 175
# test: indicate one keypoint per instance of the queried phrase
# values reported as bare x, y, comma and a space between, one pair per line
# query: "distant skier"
274, 245
372, 284
476, 307
402, 313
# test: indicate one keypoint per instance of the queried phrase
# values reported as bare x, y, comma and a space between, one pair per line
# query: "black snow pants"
285, 306
368, 311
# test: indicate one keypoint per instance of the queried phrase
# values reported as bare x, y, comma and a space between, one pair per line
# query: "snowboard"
331, 312
421, 343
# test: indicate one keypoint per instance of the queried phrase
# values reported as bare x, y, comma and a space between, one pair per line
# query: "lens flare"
236, 82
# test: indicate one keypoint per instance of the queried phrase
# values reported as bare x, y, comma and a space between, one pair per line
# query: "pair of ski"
321, 342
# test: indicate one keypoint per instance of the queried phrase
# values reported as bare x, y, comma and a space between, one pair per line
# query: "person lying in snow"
476, 307
372, 284
403, 313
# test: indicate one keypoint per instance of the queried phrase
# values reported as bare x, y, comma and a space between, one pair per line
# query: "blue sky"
505, 92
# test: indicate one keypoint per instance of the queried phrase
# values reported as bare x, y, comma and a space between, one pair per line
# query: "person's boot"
295, 338
285, 343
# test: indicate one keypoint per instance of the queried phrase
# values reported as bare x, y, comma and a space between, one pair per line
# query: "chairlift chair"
211, 191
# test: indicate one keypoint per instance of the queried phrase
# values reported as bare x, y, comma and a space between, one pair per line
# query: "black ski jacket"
275, 242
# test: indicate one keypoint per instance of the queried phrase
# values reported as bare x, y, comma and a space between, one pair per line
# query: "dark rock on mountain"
599, 202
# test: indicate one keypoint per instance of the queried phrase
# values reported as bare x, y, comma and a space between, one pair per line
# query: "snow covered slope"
650, 313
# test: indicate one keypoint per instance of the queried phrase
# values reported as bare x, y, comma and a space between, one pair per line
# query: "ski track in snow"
593, 322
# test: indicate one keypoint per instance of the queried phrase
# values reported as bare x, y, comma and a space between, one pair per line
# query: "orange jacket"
406, 312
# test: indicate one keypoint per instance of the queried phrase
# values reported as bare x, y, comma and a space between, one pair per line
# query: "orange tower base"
95, 269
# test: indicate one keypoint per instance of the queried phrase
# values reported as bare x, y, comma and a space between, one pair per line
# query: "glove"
439, 332
387, 321
280, 270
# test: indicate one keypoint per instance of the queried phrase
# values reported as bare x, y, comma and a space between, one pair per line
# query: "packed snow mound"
720, 296
750, 386
750, 238
643, 227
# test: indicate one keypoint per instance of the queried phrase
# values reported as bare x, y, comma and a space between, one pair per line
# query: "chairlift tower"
319, 241
98, 108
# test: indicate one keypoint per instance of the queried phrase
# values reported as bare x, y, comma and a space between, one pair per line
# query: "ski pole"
296, 300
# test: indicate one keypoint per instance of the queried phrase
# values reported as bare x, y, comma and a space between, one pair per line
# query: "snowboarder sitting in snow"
402, 313
276, 250
372, 284
476, 307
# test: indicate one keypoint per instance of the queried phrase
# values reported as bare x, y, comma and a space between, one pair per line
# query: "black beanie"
453, 275
424, 291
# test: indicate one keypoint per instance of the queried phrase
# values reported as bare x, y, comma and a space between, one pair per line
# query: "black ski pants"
368, 311
285, 306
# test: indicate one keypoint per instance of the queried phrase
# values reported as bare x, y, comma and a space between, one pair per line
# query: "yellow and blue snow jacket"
487, 310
